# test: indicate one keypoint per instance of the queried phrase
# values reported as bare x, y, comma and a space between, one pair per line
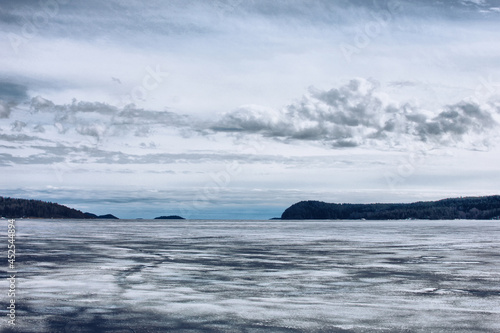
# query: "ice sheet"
248, 276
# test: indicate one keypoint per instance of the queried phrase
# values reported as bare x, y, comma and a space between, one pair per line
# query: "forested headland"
17, 208
29, 208
471, 208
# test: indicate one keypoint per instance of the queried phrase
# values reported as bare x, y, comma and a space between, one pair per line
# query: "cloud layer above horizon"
274, 96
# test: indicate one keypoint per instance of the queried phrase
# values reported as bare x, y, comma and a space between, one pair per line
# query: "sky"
232, 109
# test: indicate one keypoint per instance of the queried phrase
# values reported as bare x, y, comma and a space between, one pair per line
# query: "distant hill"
107, 216
487, 207
17, 208
170, 217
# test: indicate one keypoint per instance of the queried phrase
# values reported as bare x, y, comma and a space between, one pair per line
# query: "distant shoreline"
464, 208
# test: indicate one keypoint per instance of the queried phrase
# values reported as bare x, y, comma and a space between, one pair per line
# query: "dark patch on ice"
482, 292
81, 322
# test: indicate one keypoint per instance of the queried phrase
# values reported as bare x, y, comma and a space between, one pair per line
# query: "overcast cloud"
226, 106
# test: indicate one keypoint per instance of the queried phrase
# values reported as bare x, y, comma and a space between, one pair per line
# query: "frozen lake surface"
248, 276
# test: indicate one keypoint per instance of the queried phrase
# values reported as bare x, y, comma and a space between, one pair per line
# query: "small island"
105, 217
29, 208
170, 217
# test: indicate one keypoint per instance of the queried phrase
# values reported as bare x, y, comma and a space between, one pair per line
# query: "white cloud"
354, 115
234, 74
